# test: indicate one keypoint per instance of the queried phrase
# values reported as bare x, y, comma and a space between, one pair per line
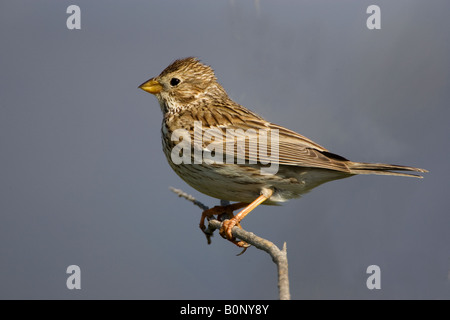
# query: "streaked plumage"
188, 91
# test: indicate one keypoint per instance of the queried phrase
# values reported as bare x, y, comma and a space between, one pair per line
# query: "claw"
225, 232
243, 250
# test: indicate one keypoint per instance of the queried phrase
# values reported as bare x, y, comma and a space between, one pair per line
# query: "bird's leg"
221, 212
227, 225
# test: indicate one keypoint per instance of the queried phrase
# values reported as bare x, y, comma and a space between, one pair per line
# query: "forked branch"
279, 257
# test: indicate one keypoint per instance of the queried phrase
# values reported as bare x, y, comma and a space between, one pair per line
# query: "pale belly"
244, 183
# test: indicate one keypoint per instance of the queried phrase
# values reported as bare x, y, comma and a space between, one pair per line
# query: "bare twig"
279, 257
188, 197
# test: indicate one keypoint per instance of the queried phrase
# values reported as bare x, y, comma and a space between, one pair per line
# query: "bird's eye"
174, 82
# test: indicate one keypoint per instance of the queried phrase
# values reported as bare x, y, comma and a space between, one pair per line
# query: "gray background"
83, 179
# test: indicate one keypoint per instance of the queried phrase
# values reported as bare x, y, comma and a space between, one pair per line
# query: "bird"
202, 127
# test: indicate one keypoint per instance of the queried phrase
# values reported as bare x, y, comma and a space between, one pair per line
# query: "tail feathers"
383, 169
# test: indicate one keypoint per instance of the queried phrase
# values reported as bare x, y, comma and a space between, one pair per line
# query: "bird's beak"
151, 86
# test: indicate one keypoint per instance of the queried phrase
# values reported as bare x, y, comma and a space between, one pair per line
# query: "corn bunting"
228, 152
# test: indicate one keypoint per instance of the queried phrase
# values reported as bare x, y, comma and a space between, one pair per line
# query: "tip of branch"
188, 197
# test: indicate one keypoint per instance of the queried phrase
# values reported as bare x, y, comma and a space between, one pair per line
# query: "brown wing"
227, 124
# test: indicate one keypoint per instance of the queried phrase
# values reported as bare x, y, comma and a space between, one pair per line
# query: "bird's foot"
225, 232
225, 214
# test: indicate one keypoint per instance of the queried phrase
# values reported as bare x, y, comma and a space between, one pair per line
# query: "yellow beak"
151, 86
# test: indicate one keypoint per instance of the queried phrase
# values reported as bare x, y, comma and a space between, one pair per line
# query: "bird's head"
182, 84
